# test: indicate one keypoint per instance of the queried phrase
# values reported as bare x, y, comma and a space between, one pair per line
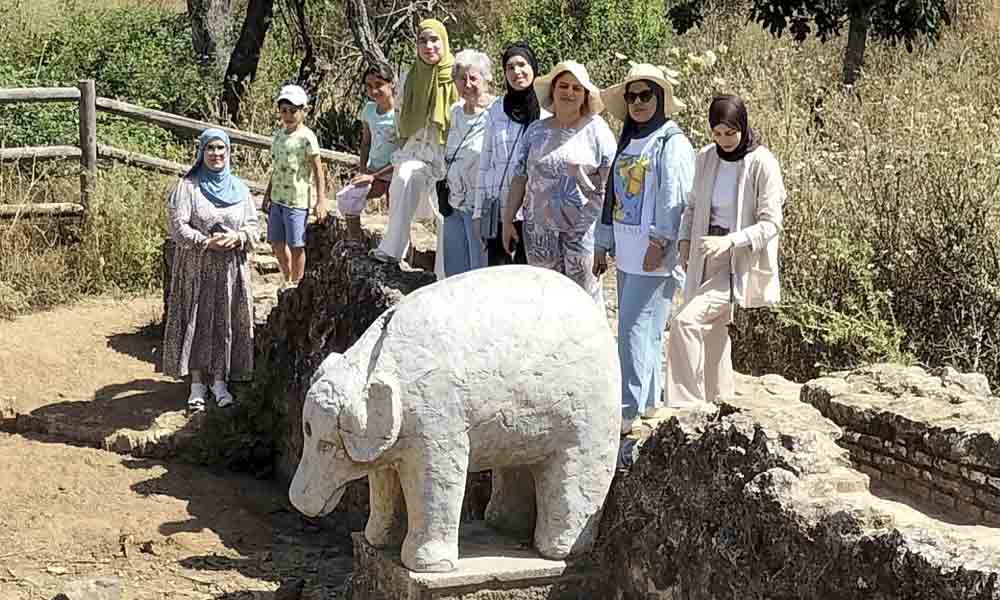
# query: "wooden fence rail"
89, 149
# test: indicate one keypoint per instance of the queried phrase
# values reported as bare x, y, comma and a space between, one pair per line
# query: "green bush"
594, 33
138, 54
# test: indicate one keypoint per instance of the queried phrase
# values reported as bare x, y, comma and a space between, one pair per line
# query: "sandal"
196, 399
222, 396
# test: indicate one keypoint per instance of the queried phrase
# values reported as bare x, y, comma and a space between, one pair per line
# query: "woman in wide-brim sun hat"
646, 192
560, 170
543, 86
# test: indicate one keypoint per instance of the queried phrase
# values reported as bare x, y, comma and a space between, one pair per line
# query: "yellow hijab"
430, 91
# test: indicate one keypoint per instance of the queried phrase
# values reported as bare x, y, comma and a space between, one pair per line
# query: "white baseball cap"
294, 94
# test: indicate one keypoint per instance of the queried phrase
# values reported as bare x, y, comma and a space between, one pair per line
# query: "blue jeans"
644, 303
463, 250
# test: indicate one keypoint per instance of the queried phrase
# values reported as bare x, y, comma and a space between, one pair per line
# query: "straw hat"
543, 85
614, 96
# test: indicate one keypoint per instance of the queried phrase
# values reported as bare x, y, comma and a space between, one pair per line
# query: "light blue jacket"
672, 176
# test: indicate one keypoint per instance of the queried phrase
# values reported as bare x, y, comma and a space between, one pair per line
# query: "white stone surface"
103, 588
508, 368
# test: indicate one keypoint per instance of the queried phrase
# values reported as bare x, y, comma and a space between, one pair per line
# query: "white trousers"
699, 352
412, 196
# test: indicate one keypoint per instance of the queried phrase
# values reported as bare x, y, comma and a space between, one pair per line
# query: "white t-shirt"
723, 212
470, 128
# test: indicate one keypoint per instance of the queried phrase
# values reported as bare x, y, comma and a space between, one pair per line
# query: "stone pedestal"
490, 567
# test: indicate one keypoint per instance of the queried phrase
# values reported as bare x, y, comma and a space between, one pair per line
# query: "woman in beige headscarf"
424, 120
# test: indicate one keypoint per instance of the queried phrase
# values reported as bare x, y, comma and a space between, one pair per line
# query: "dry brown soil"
167, 530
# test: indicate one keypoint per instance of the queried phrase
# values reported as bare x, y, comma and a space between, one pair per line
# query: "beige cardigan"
760, 196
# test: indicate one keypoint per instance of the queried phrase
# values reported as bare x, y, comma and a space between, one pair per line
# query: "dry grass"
42, 15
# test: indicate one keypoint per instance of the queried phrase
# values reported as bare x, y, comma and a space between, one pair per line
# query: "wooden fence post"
88, 142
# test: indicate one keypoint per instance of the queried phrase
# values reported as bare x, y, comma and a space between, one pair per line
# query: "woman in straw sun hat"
560, 171
646, 193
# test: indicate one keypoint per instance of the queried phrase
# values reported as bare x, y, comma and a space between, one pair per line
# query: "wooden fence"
89, 149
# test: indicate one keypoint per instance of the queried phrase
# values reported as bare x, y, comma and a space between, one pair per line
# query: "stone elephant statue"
510, 368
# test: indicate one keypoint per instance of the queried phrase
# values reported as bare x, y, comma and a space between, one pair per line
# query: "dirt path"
167, 530
98, 349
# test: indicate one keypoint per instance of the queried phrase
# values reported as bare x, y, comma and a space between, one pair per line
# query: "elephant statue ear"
370, 425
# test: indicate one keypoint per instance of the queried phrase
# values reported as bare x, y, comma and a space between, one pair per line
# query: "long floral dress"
210, 310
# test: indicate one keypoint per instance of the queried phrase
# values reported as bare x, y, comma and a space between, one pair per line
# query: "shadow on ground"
269, 539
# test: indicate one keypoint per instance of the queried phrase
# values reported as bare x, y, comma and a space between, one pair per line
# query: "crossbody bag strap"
510, 155
458, 148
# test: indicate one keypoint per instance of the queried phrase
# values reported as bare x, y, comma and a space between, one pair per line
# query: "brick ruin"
935, 437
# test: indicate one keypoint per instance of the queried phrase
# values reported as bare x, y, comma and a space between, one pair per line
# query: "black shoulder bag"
443, 192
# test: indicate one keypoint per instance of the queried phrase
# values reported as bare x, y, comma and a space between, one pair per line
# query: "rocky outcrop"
761, 503
933, 436
343, 292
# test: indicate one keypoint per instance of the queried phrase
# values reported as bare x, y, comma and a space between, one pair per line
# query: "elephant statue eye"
308, 429
325, 446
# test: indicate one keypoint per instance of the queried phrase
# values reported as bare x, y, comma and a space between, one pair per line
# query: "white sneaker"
222, 396
196, 399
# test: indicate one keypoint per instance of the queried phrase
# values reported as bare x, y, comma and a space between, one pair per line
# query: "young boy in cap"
295, 161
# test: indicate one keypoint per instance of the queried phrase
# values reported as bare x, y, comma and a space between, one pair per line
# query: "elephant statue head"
349, 419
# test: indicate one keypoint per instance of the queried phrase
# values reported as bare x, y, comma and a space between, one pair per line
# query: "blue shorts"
287, 225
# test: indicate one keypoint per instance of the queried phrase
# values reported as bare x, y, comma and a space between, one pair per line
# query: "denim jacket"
673, 157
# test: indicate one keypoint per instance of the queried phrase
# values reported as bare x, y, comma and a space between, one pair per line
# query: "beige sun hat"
543, 85
614, 96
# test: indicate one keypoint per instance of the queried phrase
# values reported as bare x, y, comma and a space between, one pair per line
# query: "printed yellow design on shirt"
629, 181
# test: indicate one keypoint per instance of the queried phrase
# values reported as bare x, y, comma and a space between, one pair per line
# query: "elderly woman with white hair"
560, 171
463, 246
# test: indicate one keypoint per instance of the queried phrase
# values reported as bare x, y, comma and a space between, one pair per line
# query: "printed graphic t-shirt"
291, 174
633, 213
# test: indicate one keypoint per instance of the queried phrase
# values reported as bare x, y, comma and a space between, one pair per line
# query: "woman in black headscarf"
734, 218
645, 195
507, 120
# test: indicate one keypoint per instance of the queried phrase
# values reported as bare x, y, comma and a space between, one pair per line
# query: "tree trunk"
209, 25
243, 62
364, 36
310, 72
857, 38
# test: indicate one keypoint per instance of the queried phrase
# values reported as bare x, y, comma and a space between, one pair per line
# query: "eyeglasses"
215, 148
643, 96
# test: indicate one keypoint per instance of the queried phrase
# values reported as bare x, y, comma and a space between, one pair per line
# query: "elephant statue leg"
433, 485
387, 519
512, 501
569, 505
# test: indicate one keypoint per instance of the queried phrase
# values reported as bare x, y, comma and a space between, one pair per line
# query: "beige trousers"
699, 352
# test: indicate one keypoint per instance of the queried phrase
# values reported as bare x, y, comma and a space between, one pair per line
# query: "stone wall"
934, 437
761, 503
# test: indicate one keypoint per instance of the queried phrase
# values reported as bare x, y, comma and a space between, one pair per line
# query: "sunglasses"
215, 148
643, 96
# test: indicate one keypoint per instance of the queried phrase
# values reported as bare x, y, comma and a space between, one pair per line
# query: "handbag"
443, 191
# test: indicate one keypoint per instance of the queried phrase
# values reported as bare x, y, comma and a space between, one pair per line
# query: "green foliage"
591, 32
138, 54
903, 21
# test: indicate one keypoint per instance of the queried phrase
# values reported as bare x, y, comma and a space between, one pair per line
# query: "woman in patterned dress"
209, 327
560, 170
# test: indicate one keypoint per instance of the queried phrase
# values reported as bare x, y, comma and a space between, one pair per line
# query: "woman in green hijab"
428, 95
